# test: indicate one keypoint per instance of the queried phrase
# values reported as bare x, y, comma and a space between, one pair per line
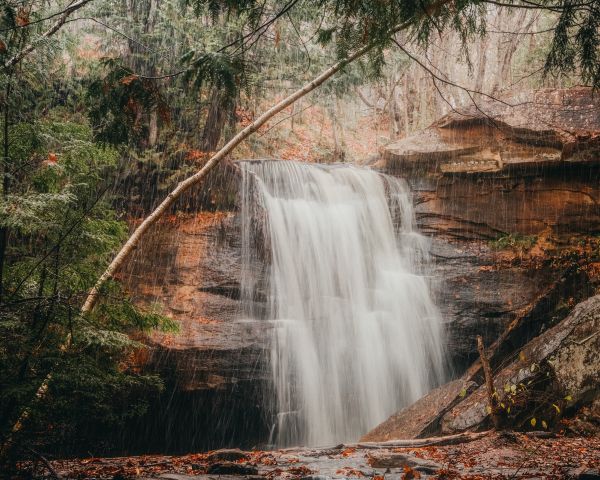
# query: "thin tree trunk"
361, 95
218, 111
397, 123
153, 120
153, 128
151, 18
407, 103
482, 65
510, 47
336, 143
489, 383
184, 185
5, 183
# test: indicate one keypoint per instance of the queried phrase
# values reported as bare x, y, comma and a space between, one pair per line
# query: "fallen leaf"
410, 473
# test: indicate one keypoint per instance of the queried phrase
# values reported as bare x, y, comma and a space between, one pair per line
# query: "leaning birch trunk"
183, 186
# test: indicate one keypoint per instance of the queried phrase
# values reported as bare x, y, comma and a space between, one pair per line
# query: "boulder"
419, 419
503, 189
400, 460
520, 132
227, 455
559, 368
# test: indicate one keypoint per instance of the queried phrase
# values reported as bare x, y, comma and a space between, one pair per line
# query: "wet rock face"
189, 269
215, 368
502, 191
556, 371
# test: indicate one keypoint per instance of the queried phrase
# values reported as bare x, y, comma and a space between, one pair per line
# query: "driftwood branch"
425, 442
455, 439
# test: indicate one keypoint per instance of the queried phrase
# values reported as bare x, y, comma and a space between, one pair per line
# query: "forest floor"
483, 456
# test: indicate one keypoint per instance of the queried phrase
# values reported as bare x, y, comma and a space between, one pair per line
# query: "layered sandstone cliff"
510, 198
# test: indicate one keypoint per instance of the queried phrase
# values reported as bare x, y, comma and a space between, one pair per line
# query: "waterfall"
356, 334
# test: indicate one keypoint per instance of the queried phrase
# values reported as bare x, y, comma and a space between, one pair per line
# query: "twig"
51, 31
284, 119
46, 463
489, 383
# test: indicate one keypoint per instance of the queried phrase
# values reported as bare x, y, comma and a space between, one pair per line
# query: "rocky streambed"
485, 455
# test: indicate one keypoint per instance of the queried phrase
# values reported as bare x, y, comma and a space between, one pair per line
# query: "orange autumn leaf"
410, 474
129, 79
303, 471
22, 19
348, 452
196, 155
51, 160
277, 37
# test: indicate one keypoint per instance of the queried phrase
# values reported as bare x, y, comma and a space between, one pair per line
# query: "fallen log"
423, 442
424, 417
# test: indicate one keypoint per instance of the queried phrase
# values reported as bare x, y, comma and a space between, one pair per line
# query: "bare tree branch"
469, 91
64, 15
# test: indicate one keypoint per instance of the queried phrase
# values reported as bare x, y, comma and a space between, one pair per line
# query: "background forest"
106, 105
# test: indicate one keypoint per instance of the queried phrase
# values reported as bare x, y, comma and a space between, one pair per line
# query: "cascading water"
356, 333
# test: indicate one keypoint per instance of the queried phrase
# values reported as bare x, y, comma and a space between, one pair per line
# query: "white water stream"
357, 334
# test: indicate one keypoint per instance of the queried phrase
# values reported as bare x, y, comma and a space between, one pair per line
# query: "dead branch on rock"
424, 442
492, 396
46, 463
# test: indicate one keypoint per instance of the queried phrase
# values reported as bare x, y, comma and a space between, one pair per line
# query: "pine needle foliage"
62, 232
576, 42
349, 24
118, 101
